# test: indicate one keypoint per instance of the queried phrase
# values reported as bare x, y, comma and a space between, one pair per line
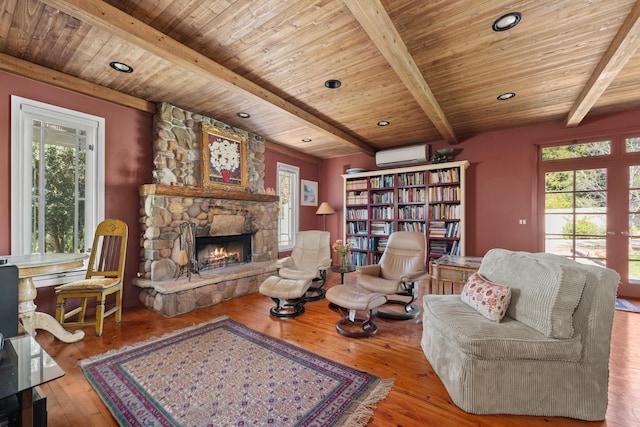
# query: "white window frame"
294, 202
22, 111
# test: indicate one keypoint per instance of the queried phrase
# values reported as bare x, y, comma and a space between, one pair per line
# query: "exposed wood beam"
376, 22
279, 148
622, 48
131, 30
20, 67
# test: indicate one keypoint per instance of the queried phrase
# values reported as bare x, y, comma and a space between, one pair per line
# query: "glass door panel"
576, 214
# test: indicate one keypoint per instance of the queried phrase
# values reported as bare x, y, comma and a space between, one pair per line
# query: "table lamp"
325, 209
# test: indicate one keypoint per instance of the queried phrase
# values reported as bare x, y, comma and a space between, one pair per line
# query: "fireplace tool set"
187, 262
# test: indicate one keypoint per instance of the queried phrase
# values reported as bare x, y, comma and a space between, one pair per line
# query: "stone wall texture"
176, 148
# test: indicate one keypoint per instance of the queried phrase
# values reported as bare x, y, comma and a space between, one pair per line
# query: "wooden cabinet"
428, 199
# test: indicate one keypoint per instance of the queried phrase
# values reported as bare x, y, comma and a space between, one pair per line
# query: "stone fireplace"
219, 215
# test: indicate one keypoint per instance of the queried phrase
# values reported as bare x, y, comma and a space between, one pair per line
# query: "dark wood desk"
24, 366
449, 273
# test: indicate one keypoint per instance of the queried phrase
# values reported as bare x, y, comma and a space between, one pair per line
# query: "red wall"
128, 164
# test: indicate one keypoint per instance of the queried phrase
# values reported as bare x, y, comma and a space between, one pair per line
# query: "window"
57, 181
288, 178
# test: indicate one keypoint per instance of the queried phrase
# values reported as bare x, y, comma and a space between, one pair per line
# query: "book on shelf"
357, 214
449, 175
381, 228
411, 178
382, 181
360, 184
357, 198
382, 197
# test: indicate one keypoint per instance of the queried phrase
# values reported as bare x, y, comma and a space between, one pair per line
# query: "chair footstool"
288, 294
350, 299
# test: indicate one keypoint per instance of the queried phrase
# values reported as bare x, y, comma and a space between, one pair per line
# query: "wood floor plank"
418, 397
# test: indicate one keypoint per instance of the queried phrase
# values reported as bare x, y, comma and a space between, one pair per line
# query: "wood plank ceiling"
433, 69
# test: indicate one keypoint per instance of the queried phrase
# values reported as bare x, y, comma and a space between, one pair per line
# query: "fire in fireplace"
223, 251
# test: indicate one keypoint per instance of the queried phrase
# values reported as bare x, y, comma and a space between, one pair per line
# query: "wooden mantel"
214, 193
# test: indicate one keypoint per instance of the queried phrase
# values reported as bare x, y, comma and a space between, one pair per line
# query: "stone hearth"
164, 208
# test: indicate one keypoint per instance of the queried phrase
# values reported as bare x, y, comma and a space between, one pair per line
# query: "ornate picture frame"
223, 158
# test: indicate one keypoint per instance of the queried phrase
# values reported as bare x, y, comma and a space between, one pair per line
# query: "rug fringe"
362, 410
110, 353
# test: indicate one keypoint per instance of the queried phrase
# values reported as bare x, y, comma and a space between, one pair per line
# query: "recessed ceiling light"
505, 96
506, 22
383, 123
244, 115
121, 66
306, 139
332, 84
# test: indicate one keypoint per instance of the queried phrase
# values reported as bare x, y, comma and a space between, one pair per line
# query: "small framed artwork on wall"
309, 193
223, 157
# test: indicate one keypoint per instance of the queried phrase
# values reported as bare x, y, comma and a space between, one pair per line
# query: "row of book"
444, 247
444, 211
447, 194
358, 198
444, 229
412, 226
357, 214
357, 227
385, 197
382, 228
360, 184
412, 195
381, 181
368, 243
412, 212
415, 178
382, 212
444, 176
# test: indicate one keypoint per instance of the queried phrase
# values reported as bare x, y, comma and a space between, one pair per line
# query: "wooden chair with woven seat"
104, 277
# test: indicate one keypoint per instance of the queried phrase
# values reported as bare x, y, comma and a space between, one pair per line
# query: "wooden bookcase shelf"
427, 199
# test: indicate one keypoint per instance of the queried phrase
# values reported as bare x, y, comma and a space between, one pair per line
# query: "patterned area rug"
624, 305
222, 373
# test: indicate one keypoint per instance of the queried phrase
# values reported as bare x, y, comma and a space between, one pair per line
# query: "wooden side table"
449, 273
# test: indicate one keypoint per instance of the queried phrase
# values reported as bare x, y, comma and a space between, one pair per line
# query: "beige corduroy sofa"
549, 356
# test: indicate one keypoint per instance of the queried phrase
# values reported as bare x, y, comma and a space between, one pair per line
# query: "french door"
590, 204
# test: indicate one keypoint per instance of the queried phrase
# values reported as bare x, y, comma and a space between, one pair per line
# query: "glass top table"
23, 366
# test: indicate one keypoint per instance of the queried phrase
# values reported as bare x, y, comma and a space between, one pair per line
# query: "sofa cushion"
474, 335
544, 293
489, 299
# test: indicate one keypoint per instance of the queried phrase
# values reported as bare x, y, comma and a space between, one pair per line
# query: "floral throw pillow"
489, 299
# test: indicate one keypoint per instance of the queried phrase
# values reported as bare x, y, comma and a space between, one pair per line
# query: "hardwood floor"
418, 398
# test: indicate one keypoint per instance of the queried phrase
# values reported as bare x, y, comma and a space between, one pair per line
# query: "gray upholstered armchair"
310, 259
398, 274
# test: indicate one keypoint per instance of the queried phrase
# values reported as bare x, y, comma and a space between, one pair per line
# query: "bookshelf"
428, 199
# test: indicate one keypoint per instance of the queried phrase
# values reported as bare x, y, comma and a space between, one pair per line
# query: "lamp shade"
325, 209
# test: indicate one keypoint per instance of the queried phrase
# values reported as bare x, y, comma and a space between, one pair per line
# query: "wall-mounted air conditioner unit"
412, 155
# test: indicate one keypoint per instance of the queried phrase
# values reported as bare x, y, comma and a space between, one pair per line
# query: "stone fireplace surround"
214, 211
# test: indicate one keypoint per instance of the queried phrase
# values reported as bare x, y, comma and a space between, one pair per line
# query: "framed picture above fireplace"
223, 156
